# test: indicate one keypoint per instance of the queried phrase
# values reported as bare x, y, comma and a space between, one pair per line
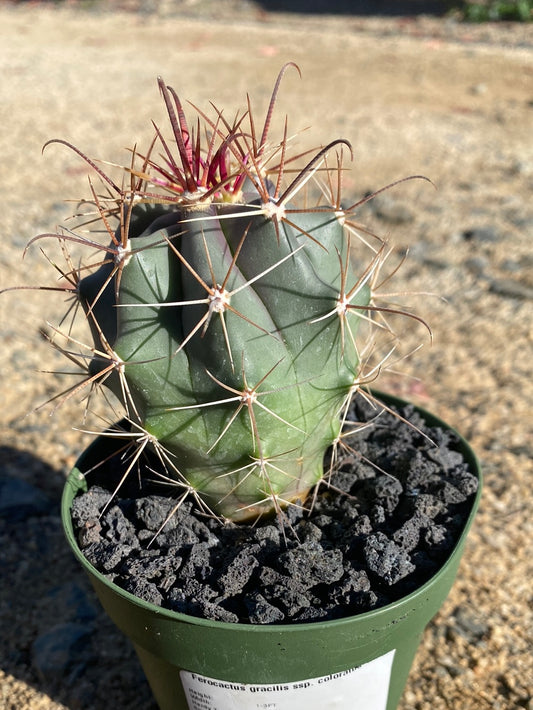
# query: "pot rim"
416, 599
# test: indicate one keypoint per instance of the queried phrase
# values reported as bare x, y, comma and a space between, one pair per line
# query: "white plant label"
365, 688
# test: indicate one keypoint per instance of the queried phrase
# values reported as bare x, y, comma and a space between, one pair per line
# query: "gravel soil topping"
392, 511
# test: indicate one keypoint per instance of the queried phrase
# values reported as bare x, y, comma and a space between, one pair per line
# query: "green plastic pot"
196, 664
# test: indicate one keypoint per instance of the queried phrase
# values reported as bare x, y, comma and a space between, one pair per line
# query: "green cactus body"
224, 314
234, 356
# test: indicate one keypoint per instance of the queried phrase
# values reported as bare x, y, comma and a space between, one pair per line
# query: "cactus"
225, 315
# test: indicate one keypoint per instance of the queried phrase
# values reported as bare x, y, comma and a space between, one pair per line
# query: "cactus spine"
225, 316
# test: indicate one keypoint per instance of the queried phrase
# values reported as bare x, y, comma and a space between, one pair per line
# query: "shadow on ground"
359, 7
389, 8
54, 635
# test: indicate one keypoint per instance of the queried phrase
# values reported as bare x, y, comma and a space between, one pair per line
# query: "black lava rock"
386, 559
390, 518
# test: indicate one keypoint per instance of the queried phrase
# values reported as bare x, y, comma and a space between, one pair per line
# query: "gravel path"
422, 95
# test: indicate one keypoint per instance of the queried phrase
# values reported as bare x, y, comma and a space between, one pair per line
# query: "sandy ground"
413, 96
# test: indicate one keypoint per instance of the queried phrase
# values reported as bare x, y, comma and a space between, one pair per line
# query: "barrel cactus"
224, 313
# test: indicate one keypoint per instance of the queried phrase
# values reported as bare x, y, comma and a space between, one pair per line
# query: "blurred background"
443, 89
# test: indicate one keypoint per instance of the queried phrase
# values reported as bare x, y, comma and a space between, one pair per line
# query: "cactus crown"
224, 311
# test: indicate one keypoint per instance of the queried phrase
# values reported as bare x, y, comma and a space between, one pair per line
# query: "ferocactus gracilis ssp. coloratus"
224, 313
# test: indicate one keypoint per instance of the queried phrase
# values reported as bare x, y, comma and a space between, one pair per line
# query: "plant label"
367, 686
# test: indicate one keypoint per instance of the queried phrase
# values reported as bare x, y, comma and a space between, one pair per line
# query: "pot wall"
197, 664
